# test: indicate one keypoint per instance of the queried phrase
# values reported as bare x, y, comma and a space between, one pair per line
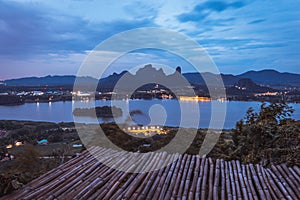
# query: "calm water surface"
158, 112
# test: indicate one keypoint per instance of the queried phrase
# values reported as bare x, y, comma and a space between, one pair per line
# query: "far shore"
66, 100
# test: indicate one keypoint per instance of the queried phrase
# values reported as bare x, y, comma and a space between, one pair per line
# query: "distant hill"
145, 77
110, 81
247, 86
272, 78
48, 80
197, 78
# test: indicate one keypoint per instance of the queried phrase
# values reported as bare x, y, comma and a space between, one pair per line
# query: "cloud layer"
49, 37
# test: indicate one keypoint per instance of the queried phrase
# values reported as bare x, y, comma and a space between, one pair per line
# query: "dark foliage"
103, 112
269, 135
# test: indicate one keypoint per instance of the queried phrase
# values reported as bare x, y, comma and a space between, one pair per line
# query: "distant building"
83, 94
145, 130
146, 145
77, 145
21, 93
194, 98
69, 129
18, 143
37, 93
43, 142
267, 94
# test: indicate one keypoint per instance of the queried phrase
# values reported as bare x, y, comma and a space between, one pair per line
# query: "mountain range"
270, 78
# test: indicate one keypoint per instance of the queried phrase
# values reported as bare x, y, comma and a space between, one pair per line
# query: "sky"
39, 38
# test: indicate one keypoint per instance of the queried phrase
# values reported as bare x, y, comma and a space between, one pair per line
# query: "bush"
269, 135
28, 160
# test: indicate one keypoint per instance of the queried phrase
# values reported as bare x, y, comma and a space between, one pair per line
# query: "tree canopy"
269, 135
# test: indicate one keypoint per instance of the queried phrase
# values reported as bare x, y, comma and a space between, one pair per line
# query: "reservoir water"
159, 112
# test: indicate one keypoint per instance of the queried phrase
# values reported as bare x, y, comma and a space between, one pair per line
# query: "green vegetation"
26, 166
31, 132
31, 160
103, 112
267, 136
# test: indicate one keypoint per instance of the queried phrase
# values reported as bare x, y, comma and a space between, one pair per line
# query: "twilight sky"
39, 38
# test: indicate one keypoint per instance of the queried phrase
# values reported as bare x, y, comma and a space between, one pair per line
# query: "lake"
146, 112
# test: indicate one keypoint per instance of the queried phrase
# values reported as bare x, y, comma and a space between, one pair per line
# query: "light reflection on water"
62, 111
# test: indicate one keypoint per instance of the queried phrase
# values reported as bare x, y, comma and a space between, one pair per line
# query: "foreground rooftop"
188, 177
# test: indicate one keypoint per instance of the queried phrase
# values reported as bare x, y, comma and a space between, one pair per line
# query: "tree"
268, 135
29, 159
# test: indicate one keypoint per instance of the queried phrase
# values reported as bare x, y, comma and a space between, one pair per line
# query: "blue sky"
40, 37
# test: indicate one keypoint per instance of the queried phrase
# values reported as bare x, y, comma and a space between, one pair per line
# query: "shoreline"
67, 100
105, 123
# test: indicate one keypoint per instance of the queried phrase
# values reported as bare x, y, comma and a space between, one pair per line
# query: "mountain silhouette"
270, 78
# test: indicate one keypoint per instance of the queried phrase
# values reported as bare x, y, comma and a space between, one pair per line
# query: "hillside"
197, 78
272, 78
268, 77
48, 80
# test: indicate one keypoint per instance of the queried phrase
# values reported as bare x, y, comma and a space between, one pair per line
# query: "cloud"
219, 6
201, 11
45, 37
142, 10
192, 17
257, 21
26, 30
261, 46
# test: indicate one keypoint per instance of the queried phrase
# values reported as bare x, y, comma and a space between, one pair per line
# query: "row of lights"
143, 128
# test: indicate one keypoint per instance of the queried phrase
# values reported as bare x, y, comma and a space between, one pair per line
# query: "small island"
101, 112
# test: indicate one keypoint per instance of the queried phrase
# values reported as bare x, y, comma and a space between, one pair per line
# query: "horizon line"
43, 76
